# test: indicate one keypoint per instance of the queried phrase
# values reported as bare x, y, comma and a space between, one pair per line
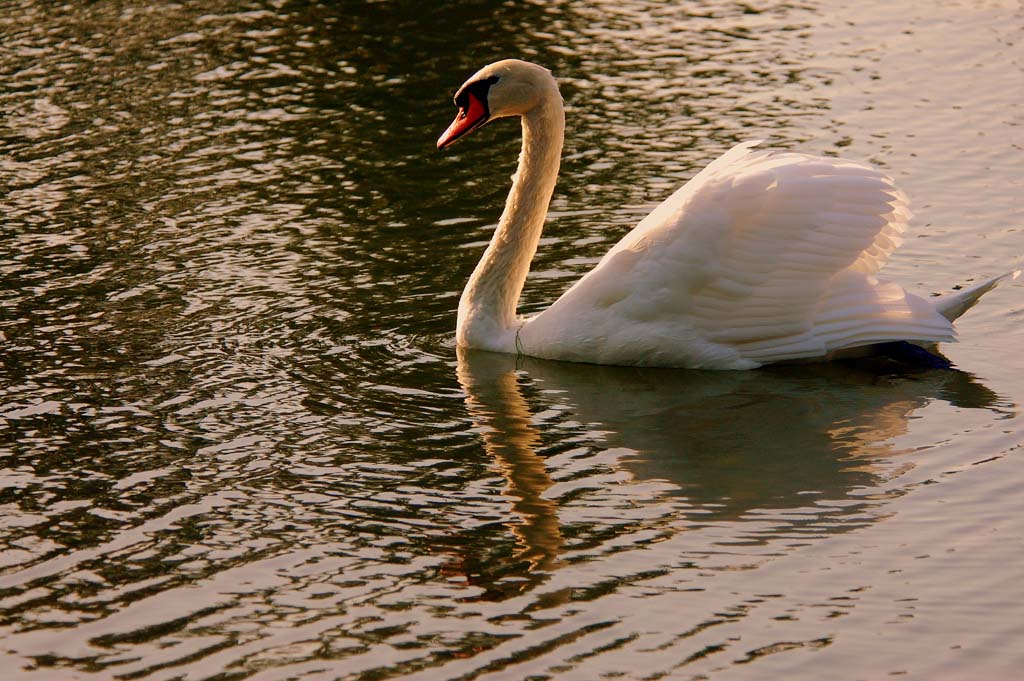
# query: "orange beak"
470, 117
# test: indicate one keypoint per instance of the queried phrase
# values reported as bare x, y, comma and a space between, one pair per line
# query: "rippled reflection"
510, 438
729, 442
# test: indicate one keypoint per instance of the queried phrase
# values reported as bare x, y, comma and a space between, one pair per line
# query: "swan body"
763, 257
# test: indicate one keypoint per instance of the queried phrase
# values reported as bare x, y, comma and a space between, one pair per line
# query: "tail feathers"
952, 305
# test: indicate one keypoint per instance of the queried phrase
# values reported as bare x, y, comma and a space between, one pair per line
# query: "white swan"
763, 257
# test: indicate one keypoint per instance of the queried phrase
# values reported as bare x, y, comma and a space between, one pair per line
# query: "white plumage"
762, 257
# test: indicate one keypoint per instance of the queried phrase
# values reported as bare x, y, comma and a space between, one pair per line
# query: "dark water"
237, 439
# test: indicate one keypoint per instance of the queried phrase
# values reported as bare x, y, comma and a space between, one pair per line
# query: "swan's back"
762, 257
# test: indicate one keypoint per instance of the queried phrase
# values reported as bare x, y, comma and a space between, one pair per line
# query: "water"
237, 439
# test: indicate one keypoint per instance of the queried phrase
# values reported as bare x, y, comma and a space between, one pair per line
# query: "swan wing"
762, 257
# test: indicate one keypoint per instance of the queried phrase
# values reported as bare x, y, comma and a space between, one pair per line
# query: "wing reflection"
730, 442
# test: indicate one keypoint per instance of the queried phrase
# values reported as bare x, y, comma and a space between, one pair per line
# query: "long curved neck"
487, 309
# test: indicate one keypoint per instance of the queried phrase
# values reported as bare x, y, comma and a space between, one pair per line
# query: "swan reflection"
496, 403
729, 443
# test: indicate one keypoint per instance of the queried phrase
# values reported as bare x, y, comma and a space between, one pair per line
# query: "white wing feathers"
767, 257
799, 239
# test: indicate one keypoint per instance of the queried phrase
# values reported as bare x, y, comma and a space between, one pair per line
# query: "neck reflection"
497, 405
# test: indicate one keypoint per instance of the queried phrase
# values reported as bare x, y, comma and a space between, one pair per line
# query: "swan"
763, 257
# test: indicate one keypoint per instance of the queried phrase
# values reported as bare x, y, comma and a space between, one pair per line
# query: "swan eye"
473, 111
478, 89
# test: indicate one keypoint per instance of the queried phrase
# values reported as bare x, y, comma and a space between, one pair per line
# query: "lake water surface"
237, 440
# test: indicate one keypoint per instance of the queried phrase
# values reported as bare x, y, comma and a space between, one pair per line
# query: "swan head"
510, 87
